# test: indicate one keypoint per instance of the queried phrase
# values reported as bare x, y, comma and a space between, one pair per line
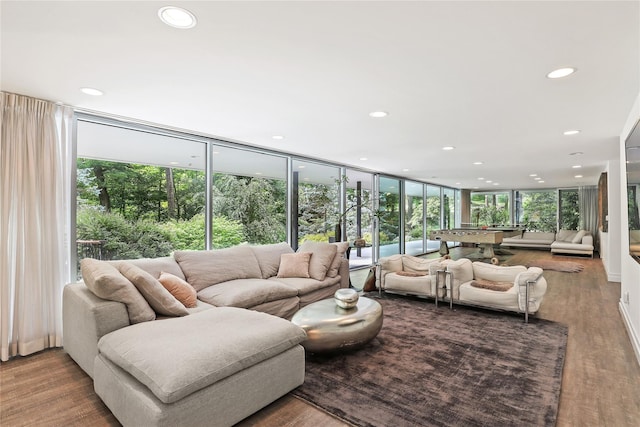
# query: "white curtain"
35, 157
588, 205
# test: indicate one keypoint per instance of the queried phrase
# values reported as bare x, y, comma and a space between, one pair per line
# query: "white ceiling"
467, 74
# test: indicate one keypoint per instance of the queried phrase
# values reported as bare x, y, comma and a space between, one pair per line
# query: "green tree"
256, 203
539, 211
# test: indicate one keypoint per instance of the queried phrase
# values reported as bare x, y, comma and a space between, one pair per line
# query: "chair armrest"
531, 286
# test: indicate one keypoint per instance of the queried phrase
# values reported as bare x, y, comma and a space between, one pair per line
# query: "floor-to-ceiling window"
448, 208
414, 218
359, 216
317, 203
537, 210
389, 216
139, 194
568, 209
249, 197
490, 209
434, 218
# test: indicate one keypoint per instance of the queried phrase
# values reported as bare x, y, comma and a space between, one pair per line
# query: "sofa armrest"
85, 319
386, 265
587, 240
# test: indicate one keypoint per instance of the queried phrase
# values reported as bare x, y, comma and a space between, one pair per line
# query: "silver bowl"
346, 298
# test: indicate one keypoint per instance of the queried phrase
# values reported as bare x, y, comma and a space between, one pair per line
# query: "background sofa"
217, 346
564, 241
406, 274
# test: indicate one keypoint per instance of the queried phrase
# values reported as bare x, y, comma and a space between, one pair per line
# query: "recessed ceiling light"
480, 178
91, 91
540, 182
496, 183
378, 114
488, 180
457, 183
364, 159
258, 173
576, 166
405, 170
448, 148
533, 174
537, 178
277, 137
578, 176
577, 153
301, 167
177, 17
571, 132
477, 163
561, 72
174, 163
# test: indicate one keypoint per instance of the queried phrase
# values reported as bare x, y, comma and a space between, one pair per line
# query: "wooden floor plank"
600, 383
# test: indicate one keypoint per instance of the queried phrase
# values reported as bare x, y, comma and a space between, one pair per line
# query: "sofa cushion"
179, 288
496, 273
246, 293
306, 286
155, 266
294, 265
341, 249
105, 281
578, 237
565, 235
491, 285
322, 258
179, 356
206, 268
417, 265
152, 290
268, 257
391, 263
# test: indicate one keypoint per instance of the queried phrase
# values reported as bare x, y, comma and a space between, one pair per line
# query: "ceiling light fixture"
448, 148
364, 159
540, 182
577, 153
561, 72
177, 17
571, 132
277, 137
496, 183
576, 166
578, 176
405, 170
477, 163
91, 91
378, 114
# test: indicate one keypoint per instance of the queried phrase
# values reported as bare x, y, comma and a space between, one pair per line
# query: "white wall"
630, 269
610, 243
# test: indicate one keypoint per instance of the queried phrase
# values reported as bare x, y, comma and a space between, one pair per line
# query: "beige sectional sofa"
510, 288
578, 242
157, 362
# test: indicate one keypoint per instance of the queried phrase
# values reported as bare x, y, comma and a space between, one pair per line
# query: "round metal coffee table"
331, 328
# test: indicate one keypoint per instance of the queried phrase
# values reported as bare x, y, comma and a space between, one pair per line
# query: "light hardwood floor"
600, 383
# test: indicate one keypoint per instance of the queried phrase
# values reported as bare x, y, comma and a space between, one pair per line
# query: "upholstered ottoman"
212, 368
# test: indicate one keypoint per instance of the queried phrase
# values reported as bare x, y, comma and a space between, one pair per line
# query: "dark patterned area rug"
439, 367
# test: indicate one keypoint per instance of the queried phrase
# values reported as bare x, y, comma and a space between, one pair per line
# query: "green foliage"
186, 234
539, 211
569, 210
122, 239
490, 216
226, 233
256, 203
323, 237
